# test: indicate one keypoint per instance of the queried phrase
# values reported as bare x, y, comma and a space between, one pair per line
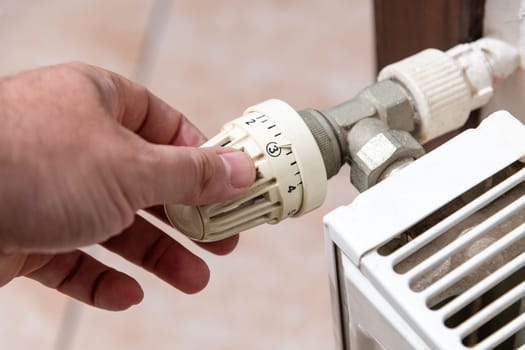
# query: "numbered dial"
275, 161
291, 178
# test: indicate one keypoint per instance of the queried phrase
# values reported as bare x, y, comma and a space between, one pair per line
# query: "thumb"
196, 176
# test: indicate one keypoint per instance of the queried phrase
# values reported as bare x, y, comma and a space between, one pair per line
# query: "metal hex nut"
392, 104
378, 153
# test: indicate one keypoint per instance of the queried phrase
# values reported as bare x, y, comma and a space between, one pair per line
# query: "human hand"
81, 150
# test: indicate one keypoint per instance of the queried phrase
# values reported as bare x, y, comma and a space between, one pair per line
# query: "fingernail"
239, 167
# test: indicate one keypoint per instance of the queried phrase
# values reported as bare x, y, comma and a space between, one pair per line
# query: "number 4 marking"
291, 189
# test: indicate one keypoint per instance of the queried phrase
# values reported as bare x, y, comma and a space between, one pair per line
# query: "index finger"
138, 110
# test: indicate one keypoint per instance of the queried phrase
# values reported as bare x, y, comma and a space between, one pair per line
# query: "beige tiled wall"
210, 59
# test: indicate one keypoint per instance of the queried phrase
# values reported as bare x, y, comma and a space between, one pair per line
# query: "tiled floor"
211, 60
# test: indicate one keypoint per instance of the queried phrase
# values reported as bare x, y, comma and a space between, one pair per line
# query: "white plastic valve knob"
446, 86
291, 176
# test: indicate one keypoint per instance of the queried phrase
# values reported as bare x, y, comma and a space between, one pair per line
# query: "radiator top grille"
464, 266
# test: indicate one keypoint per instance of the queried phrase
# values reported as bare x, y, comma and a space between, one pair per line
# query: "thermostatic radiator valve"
377, 132
291, 178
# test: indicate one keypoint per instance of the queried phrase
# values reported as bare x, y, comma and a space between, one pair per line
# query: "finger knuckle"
100, 81
204, 171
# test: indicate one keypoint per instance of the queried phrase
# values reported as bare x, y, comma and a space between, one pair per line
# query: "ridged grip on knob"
291, 176
326, 140
440, 92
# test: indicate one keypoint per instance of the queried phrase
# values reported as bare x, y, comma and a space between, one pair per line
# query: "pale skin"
81, 150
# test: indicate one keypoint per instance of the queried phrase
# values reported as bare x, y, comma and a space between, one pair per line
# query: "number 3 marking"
272, 149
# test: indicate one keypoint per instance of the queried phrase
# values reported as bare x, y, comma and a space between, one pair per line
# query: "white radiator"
434, 256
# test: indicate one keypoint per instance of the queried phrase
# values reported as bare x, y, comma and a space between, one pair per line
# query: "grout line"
69, 326
155, 29
153, 32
